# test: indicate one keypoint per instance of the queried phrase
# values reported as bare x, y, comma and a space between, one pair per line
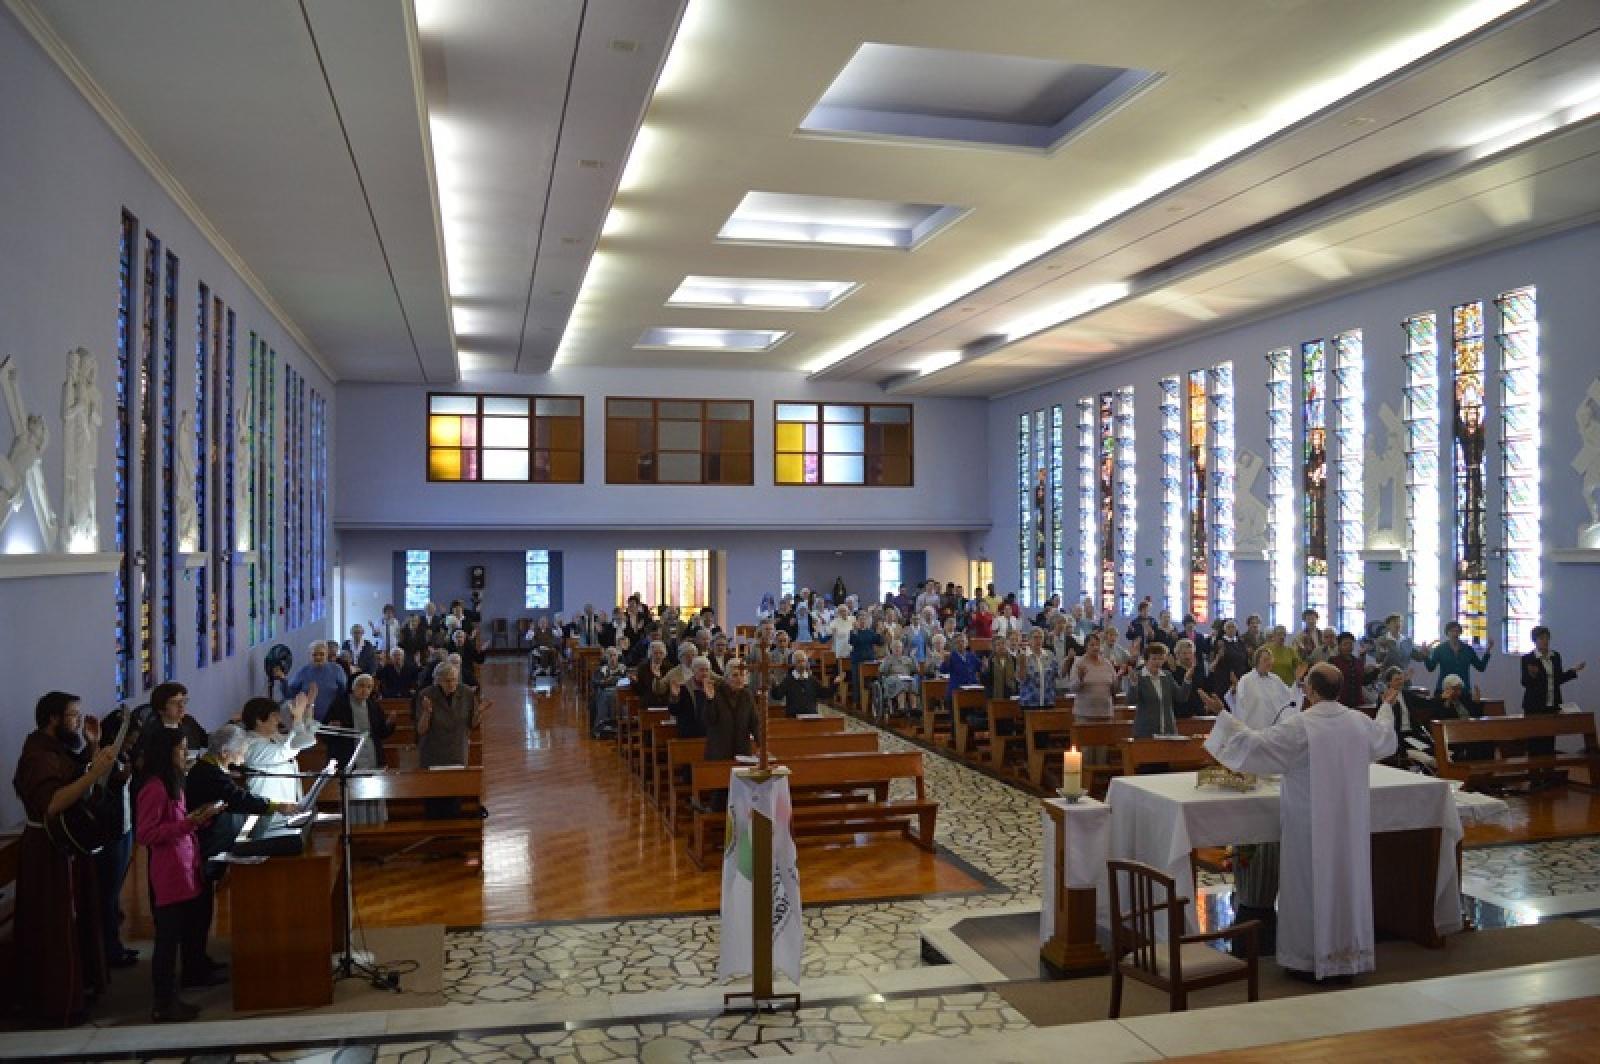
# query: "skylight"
674, 338
757, 293
785, 218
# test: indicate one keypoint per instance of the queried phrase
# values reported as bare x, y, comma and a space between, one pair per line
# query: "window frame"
867, 408
531, 448
704, 449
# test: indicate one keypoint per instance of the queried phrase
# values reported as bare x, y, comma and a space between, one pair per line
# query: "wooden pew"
1178, 755
1006, 732
403, 793
836, 772
638, 751
1109, 735
683, 754
935, 712
966, 701
1045, 733
653, 755
399, 756
1514, 730
792, 727
869, 676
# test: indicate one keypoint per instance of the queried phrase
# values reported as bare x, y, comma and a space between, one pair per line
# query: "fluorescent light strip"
1274, 120
667, 337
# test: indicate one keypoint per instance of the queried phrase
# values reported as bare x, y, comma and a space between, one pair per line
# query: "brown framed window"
505, 438
857, 444
680, 441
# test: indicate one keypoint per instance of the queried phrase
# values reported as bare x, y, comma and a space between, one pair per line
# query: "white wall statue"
1385, 486
1587, 463
188, 513
243, 463
22, 466
80, 419
1249, 511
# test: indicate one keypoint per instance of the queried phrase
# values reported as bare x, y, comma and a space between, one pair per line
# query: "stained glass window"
1041, 502
269, 398
786, 572
319, 526
1469, 439
1314, 474
1024, 513
1349, 537
1519, 464
204, 613
1172, 509
149, 468
1088, 569
1281, 577
888, 573
1107, 547
419, 578
516, 438
1199, 508
536, 580
1058, 575
839, 443
677, 578
222, 546
1127, 505
127, 268
291, 547
169, 449
1422, 473
252, 417
1222, 472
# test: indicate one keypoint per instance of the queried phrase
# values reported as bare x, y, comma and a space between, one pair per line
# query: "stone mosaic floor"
1536, 870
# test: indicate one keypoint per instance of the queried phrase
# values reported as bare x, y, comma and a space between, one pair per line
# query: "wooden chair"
1181, 963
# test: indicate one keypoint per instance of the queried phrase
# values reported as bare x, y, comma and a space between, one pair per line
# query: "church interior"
687, 530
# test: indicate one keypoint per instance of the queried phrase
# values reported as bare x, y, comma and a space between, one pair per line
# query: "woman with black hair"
168, 831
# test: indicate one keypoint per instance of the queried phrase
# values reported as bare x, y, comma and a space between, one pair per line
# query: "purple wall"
66, 177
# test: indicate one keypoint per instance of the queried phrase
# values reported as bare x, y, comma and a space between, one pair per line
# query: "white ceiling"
1217, 194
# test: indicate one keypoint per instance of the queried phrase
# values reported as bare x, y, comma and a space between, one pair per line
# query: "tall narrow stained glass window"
1469, 437
1024, 513
1088, 569
1107, 547
127, 269
786, 572
1127, 505
1041, 504
217, 474
1349, 536
291, 563
1172, 509
888, 573
169, 450
1199, 508
269, 465
203, 613
419, 578
1281, 579
249, 540
1222, 476
225, 543
1314, 473
1422, 473
149, 462
1519, 465
1058, 575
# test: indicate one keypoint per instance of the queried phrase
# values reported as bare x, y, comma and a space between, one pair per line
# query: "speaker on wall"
477, 574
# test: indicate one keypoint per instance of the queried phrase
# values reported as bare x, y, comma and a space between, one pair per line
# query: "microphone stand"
347, 966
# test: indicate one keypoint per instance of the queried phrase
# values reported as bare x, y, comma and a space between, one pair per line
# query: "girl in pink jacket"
168, 831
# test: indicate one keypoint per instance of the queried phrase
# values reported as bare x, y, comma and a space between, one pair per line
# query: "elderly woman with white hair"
322, 677
358, 709
447, 713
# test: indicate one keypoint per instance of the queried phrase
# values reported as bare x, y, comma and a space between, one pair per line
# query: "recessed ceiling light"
620, 45
938, 361
755, 293
668, 337
785, 218
589, 164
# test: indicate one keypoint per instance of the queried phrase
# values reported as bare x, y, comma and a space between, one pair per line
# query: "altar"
1161, 819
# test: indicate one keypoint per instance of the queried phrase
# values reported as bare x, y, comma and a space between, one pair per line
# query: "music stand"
344, 746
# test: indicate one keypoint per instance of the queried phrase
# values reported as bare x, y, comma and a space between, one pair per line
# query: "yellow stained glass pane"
791, 469
444, 430
791, 436
444, 465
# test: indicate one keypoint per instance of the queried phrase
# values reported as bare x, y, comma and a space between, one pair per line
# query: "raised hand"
1576, 668
91, 729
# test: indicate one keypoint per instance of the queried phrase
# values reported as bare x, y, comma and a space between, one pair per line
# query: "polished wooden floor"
571, 835
1550, 1034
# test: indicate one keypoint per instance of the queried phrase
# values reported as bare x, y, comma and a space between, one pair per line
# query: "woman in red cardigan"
168, 831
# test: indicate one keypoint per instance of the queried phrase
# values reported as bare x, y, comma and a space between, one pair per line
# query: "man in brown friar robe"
60, 950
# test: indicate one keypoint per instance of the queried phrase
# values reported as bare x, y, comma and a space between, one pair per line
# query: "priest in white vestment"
1325, 897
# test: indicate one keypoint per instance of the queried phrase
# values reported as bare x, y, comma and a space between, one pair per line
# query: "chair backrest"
1142, 900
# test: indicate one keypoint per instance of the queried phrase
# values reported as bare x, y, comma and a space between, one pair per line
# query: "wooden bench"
840, 773
684, 754
793, 727
1514, 732
657, 732
404, 794
1108, 735
935, 708
966, 702
1006, 734
403, 756
869, 676
1178, 755
1045, 733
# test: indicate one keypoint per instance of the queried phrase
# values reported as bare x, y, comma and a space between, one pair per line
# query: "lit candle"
1072, 771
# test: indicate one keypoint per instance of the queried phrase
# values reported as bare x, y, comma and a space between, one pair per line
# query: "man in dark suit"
1157, 695
1542, 677
363, 653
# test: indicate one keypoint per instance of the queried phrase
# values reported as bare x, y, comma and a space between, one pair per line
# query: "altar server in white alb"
1325, 896
1260, 699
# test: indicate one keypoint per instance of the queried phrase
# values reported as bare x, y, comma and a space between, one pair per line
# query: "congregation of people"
183, 793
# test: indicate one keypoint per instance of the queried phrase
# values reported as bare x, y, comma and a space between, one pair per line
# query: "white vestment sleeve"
1384, 737
301, 736
1263, 752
